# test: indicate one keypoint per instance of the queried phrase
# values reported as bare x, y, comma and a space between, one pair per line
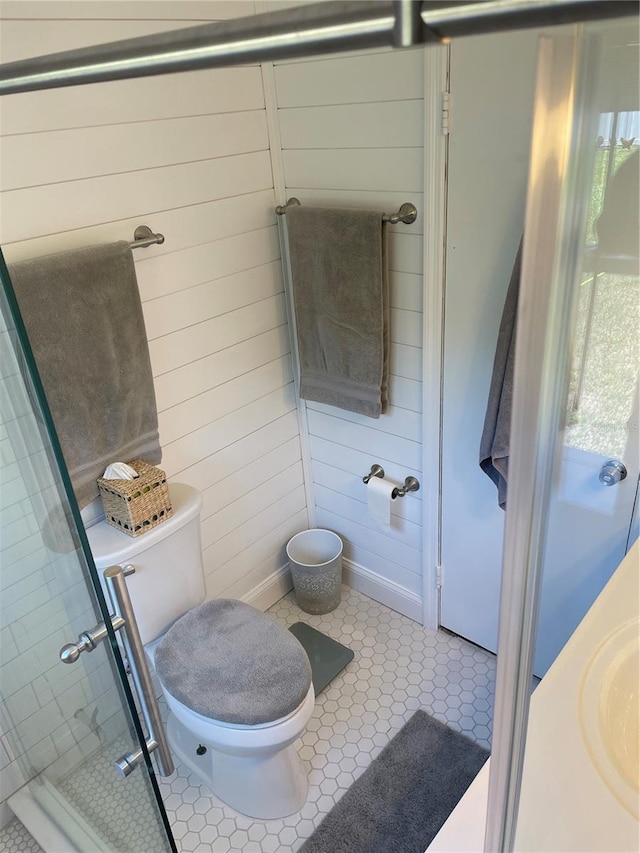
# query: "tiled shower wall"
44, 721
187, 155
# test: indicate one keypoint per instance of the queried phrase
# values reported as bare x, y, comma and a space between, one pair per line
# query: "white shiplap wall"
352, 135
189, 156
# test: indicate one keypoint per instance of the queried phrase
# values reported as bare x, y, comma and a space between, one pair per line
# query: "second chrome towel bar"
407, 214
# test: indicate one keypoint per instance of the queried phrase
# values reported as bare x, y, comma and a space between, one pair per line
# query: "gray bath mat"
403, 798
326, 656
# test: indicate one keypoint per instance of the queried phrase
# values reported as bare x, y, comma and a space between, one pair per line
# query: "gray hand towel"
340, 288
83, 316
494, 444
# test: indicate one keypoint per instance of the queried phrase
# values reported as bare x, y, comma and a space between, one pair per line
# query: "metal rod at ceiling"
288, 34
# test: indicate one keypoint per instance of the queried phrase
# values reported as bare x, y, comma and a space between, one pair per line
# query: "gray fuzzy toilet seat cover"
226, 660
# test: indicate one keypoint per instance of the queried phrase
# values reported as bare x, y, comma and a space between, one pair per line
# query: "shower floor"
14, 838
398, 667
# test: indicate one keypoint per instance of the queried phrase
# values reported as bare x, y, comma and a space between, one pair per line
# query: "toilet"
238, 684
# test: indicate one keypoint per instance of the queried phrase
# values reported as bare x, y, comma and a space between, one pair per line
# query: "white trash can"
315, 557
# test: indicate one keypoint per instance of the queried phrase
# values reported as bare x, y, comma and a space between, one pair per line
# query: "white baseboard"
270, 590
380, 589
387, 592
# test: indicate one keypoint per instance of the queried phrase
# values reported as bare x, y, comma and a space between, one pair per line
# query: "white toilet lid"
232, 663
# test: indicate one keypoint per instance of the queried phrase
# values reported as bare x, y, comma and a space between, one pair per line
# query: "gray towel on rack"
340, 289
494, 444
83, 316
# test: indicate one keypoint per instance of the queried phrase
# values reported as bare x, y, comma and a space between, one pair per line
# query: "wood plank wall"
352, 136
188, 155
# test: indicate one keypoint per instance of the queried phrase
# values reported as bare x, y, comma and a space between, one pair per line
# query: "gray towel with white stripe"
84, 319
340, 288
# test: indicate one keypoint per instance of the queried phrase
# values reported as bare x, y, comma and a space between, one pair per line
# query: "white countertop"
565, 804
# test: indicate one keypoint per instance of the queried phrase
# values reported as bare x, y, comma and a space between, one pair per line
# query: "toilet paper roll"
379, 501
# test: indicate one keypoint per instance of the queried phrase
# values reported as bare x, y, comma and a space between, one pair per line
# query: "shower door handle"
157, 742
88, 640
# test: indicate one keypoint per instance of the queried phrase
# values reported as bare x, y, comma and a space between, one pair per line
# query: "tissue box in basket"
135, 506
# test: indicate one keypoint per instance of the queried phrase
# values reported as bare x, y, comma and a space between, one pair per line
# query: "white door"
590, 526
492, 89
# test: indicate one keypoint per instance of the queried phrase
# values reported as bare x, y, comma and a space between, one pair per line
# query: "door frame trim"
436, 146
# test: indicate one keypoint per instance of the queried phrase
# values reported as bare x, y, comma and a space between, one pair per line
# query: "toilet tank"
169, 578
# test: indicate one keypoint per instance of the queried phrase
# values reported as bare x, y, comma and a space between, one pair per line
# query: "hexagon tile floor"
14, 838
398, 667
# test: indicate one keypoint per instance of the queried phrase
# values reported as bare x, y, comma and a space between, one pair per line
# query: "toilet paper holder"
411, 484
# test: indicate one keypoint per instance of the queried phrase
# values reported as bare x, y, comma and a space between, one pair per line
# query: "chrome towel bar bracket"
407, 214
281, 209
411, 484
143, 236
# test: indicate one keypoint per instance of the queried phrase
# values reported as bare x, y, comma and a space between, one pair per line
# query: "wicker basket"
135, 506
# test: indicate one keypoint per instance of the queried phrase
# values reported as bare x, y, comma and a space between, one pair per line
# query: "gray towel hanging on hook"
494, 444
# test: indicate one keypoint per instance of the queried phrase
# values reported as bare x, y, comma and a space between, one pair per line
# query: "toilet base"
266, 787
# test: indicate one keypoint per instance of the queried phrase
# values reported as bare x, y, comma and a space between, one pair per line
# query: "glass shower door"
63, 725
574, 464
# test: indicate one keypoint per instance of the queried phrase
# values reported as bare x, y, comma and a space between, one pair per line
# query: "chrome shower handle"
117, 586
88, 640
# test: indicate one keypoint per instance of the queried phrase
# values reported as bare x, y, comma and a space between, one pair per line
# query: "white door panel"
591, 524
492, 86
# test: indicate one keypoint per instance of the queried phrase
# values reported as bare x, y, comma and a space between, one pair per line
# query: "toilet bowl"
238, 684
254, 769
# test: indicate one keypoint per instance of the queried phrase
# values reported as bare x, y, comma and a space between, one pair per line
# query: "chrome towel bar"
407, 214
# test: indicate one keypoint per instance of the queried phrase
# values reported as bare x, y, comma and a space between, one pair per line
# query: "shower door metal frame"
291, 33
556, 197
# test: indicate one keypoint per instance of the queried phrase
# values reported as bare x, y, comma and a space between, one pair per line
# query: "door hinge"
438, 577
445, 123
